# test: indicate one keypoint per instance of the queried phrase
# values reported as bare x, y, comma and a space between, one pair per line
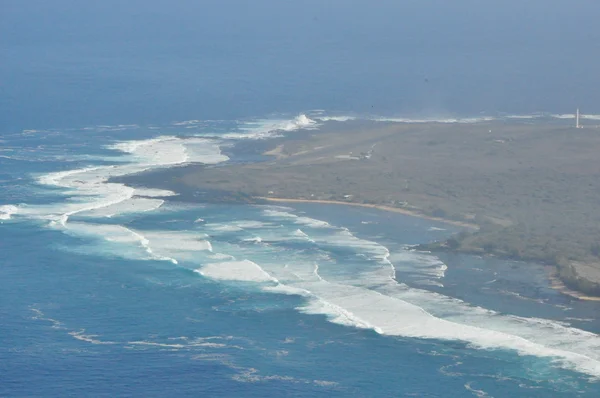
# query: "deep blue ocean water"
110, 291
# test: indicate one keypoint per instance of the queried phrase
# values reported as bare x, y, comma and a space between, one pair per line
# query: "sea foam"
242, 271
369, 298
307, 221
360, 307
269, 128
372, 298
6, 211
449, 120
92, 194
336, 118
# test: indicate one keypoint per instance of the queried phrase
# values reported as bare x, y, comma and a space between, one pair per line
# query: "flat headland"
524, 191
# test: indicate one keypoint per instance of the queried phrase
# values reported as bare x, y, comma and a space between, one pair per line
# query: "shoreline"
374, 206
557, 284
511, 191
554, 280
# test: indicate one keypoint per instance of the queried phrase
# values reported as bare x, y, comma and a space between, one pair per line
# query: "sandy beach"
378, 207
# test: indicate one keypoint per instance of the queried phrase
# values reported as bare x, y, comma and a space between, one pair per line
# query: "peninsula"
525, 191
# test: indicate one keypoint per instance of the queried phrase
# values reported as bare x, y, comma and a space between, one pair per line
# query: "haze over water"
109, 290
73, 64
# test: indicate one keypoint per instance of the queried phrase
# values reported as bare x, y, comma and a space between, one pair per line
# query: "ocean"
109, 290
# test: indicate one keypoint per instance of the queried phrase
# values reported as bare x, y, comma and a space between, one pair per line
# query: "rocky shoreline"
530, 189
566, 275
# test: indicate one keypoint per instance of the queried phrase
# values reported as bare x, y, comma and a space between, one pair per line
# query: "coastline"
510, 185
374, 206
557, 284
553, 275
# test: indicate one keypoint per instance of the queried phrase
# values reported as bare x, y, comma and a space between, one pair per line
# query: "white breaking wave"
250, 224
337, 314
373, 299
153, 193
204, 151
256, 239
245, 271
301, 234
369, 297
6, 211
362, 307
92, 194
132, 205
171, 246
476, 392
573, 116
286, 289
457, 120
564, 116
168, 150
178, 244
468, 120
418, 262
118, 127
88, 338
187, 123
268, 128
435, 229
221, 256
336, 118
121, 235
222, 227
310, 222
524, 117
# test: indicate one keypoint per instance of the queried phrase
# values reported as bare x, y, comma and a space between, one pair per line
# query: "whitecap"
154, 193
242, 271
301, 234
523, 116
88, 338
132, 205
336, 118
250, 224
435, 229
92, 194
590, 117
222, 227
364, 308
256, 239
310, 222
6, 211
286, 289
373, 299
269, 128
564, 116
419, 262
469, 120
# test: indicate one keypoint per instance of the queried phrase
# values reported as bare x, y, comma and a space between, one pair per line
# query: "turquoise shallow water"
145, 297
